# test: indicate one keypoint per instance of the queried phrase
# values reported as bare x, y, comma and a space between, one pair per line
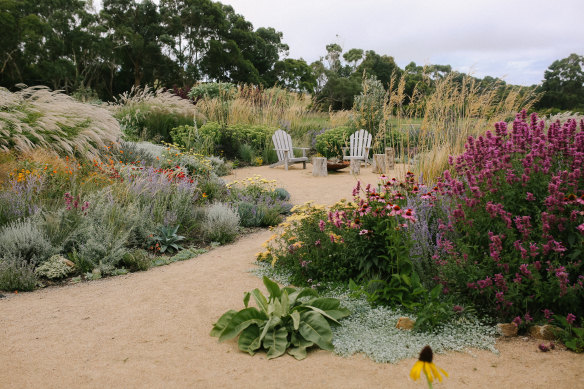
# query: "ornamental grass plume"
426, 365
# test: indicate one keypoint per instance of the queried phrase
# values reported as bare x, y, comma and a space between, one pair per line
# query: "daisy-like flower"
426, 365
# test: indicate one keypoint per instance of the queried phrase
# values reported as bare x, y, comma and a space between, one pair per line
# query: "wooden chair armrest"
303, 150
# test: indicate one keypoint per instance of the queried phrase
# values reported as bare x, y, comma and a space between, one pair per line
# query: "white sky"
515, 40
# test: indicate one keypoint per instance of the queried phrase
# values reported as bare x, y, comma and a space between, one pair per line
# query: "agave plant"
283, 321
168, 239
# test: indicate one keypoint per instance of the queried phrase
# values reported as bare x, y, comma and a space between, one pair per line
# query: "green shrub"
269, 156
151, 115
158, 125
221, 224
16, 274
250, 215
284, 321
228, 138
104, 249
258, 203
133, 153
364, 241
245, 152
53, 268
282, 194
24, 239
330, 144
186, 254
192, 139
213, 189
219, 166
136, 260
211, 90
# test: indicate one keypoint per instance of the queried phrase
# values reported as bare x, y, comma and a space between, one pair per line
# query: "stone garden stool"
319, 167
378, 165
355, 164
389, 158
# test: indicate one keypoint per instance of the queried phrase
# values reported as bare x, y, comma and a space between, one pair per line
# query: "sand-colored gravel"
151, 329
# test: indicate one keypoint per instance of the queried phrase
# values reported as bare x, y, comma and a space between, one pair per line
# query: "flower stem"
429, 382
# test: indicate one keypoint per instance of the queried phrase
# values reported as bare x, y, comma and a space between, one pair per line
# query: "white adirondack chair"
283, 146
359, 146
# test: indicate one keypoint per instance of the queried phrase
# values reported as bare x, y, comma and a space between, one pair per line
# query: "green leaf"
272, 323
301, 344
295, 319
285, 302
293, 297
246, 297
241, 320
261, 300
324, 303
323, 313
340, 313
222, 323
315, 328
276, 342
272, 288
249, 340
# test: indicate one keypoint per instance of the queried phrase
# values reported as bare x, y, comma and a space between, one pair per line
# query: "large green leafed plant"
283, 321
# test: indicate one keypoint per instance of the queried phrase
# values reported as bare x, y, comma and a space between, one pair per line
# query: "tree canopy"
69, 45
66, 44
563, 85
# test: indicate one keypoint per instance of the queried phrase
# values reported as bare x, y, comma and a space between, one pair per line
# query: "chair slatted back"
359, 141
282, 141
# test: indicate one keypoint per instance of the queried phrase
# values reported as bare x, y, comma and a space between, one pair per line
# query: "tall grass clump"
457, 110
37, 117
147, 114
426, 128
255, 105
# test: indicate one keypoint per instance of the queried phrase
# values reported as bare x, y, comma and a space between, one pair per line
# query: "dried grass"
446, 118
37, 117
153, 99
256, 105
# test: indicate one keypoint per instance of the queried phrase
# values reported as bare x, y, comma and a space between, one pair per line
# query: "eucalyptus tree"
563, 84
190, 27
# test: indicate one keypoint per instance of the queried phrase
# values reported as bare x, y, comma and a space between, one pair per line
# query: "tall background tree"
563, 85
66, 44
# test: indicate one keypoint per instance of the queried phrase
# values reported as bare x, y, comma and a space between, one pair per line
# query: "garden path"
151, 329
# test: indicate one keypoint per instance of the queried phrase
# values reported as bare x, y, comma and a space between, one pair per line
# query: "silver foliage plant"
222, 223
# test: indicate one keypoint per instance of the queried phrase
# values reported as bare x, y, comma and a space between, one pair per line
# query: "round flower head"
425, 364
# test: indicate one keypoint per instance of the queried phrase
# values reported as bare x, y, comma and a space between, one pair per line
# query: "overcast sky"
515, 40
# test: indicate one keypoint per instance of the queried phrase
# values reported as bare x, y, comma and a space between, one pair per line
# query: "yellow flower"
426, 365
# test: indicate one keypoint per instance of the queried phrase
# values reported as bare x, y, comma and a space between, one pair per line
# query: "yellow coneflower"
425, 363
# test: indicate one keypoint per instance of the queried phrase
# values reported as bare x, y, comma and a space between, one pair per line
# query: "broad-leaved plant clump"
288, 319
514, 240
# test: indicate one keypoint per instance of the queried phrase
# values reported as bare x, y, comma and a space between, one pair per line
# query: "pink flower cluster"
517, 201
